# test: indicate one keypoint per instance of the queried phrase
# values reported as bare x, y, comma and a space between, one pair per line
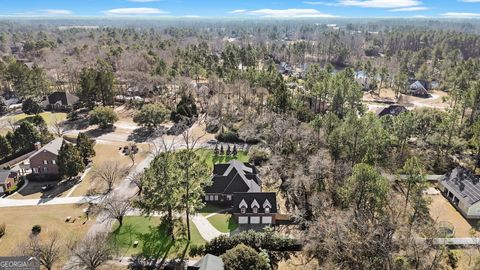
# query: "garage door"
243, 220
267, 220
254, 220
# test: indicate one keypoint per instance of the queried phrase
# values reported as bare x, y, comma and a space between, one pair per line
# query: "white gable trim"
267, 204
255, 204
243, 204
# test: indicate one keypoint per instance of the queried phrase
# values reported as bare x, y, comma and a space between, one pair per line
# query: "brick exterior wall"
38, 166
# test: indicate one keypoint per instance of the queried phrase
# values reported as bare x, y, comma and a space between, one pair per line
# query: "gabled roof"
257, 199
52, 147
418, 85
62, 97
464, 182
392, 110
234, 177
4, 176
209, 262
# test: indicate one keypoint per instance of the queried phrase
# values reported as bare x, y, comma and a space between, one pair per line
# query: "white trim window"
267, 210
243, 210
206, 198
255, 210
54, 161
45, 162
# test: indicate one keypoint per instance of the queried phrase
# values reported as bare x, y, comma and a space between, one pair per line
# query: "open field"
49, 118
151, 237
109, 152
435, 101
19, 222
442, 210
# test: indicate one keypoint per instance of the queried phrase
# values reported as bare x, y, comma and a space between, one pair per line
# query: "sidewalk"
46, 201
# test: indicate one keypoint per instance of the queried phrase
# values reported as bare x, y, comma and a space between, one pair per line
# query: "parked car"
47, 187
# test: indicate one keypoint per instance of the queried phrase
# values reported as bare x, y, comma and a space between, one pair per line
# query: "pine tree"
85, 147
69, 161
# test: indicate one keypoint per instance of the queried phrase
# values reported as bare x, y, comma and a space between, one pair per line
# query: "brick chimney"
38, 145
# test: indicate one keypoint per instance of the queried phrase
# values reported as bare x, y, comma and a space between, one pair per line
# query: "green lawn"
49, 118
223, 222
208, 156
152, 238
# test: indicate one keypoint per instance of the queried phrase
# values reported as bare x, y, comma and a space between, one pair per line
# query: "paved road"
46, 201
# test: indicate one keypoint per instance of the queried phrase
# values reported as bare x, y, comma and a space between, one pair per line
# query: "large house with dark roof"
238, 185
255, 207
419, 88
462, 188
60, 101
392, 110
229, 178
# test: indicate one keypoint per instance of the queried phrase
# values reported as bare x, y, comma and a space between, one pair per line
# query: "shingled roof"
392, 110
52, 147
234, 177
464, 182
259, 199
64, 98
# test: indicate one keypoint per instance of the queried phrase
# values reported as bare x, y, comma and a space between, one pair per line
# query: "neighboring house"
419, 88
8, 179
254, 207
229, 178
208, 262
462, 188
44, 161
393, 110
60, 101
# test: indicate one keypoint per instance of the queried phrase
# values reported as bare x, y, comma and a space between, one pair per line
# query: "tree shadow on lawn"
155, 245
232, 224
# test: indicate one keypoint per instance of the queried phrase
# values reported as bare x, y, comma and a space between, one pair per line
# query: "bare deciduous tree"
136, 179
92, 252
48, 251
108, 173
116, 208
57, 126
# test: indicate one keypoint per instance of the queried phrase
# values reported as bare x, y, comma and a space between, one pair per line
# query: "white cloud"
144, 1
419, 8
56, 11
237, 11
45, 12
461, 15
135, 11
321, 3
471, 1
191, 16
380, 3
284, 13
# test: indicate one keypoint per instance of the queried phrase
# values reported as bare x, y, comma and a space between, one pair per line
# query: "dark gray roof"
464, 182
234, 177
392, 110
209, 262
4, 175
249, 197
62, 97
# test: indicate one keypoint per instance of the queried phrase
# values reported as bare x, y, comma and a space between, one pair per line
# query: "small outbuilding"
462, 188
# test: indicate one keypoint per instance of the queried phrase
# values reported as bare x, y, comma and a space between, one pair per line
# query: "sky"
243, 8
